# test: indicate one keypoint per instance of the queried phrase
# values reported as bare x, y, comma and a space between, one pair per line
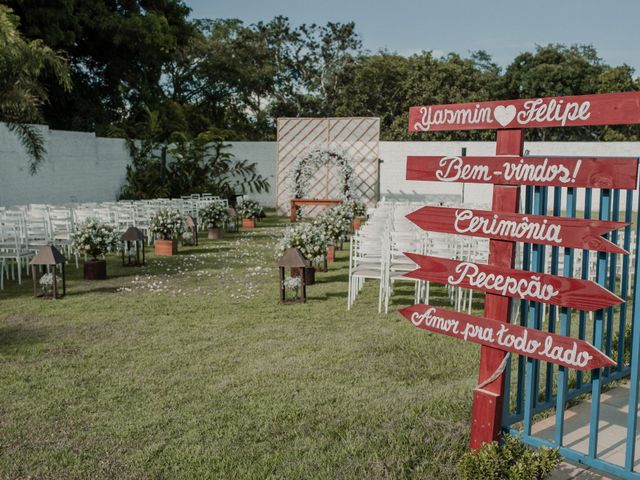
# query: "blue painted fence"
532, 386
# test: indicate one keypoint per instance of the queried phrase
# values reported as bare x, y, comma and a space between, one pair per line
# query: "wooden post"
487, 401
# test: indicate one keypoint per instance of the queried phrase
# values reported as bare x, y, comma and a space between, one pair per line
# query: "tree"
554, 70
117, 50
22, 95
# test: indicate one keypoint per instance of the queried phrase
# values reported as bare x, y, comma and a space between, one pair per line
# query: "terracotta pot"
248, 223
214, 234
95, 270
331, 253
166, 248
309, 277
357, 223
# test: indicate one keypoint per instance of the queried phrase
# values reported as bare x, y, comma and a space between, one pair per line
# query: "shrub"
214, 215
167, 224
95, 238
511, 460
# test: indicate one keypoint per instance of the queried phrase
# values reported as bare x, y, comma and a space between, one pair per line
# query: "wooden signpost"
504, 226
537, 287
575, 172
580, 110
530, 342
517, 227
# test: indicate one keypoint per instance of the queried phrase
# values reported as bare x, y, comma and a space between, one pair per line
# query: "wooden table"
299, 202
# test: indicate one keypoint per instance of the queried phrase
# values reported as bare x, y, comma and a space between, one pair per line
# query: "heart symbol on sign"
504, 115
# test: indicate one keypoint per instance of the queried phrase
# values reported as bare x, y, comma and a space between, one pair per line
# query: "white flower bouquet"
336, 223
305, 167
95, 238
46, 282
310, 239
249, 209
167, 224
213, 215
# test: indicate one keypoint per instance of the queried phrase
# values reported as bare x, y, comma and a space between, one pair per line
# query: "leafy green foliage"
181, 165
116, 50
22, 94
510, 460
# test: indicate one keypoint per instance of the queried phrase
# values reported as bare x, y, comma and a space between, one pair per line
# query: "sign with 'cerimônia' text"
580, 110
537, 287
517, 227
621, 173
558, 349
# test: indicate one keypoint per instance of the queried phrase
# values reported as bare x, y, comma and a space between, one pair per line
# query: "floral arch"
305, 167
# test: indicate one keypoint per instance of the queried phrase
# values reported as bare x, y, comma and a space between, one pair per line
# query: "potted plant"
167, 226
214, 216
312, 243
358, 210
249, 210
95, 239
336, 224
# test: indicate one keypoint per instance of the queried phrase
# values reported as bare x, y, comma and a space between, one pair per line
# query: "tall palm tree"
22, 63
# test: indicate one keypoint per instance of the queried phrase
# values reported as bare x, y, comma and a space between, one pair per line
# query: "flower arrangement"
358, 208
167, 224
214, 215
310, 239
336, 223
305, 167
249, 209
187, 236
293, 284
95, 238
46, 282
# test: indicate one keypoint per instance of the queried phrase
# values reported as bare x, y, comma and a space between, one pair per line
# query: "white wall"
83, 167
78, 165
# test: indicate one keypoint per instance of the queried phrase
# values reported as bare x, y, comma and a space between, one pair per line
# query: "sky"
503, 28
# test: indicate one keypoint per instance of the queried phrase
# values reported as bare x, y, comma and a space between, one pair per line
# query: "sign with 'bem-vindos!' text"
519, 227
537, 287
529, 342
580, 110
621, 173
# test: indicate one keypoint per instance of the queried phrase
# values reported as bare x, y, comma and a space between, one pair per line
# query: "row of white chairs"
377, 252
26, 228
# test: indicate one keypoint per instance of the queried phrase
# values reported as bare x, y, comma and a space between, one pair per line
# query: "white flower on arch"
318, 156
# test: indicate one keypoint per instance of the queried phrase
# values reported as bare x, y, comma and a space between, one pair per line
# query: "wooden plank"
579, 110
528, 342
620, 173
517, 227
486, 422
538, 287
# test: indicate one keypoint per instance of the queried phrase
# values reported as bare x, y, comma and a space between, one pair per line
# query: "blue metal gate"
534, 389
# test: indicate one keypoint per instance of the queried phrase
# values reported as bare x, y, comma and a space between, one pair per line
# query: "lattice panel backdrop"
359, 137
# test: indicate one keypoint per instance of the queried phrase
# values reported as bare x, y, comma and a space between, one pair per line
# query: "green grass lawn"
190, 368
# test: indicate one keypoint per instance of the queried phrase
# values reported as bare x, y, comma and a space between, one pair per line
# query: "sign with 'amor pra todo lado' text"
529, 342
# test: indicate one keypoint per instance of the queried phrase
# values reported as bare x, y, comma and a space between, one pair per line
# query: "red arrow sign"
542, 171
581, 110
566, 351
517, 227
538, 287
